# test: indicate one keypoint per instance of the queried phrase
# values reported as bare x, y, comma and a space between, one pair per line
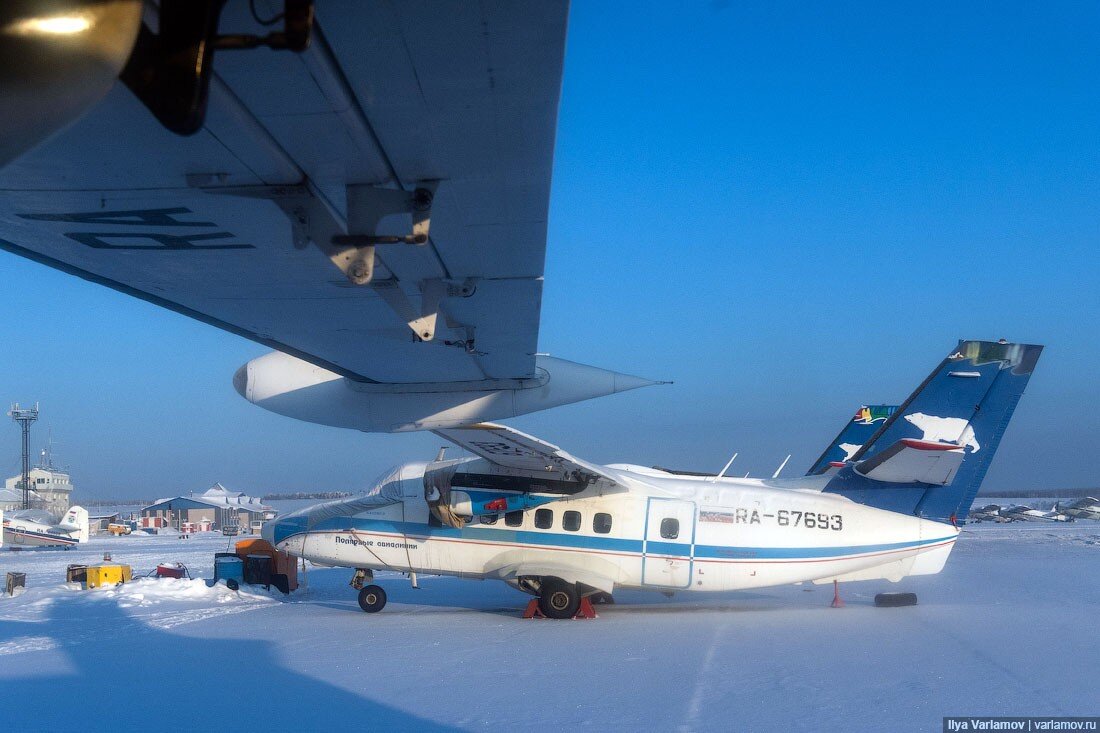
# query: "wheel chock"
584, 611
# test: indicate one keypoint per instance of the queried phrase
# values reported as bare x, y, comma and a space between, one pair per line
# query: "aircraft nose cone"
240, 381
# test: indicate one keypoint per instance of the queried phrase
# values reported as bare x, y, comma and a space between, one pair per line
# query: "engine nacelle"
57, 60
290, 386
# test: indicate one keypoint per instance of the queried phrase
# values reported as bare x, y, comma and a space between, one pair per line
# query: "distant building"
51, 489
98, 523
217, 504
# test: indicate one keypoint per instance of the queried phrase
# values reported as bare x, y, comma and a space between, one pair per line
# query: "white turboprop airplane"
36, 528
526, 512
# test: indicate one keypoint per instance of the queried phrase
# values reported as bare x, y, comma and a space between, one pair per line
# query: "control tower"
25, 416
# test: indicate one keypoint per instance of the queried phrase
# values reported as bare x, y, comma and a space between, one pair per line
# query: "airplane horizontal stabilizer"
914, 461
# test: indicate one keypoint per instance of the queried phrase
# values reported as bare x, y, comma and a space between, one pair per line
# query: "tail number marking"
809, 520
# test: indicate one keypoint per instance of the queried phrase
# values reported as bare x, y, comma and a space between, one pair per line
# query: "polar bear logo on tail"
945, 430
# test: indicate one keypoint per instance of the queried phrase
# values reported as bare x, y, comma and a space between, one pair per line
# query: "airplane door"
669, 543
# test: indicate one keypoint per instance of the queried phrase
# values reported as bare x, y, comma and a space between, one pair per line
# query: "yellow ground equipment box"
107, 576
118, 529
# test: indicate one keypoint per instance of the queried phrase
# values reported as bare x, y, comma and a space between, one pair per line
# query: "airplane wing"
419, 132
512, 450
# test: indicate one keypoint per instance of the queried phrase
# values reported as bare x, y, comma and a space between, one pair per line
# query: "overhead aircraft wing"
401, 119
510, 449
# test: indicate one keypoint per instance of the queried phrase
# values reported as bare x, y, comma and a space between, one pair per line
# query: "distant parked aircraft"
1023, 513
1087, 508
36, 528
987, 513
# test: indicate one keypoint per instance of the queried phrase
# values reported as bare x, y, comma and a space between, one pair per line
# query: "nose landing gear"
372, 599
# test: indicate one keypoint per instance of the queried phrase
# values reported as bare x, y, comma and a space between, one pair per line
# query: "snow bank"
145, 592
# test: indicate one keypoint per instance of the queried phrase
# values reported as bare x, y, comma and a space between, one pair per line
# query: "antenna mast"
725, 468
781, 466
25, 416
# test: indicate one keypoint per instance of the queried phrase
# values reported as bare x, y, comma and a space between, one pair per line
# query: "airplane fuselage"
1082, 510
23, 533
664, 532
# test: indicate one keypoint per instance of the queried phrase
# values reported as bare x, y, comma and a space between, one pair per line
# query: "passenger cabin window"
670, 528
601, 523
513, 519
489, 519
571, 521
544, 518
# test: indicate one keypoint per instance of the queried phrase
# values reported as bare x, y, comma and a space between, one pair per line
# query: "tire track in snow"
695, 705
172, 619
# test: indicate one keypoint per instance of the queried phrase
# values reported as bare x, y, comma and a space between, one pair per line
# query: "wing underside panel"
389, 95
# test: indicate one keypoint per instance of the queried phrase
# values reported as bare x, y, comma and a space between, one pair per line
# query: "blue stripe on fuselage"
61, 540
596, 544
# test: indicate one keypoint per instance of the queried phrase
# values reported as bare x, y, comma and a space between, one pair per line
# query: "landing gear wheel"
894, 600
372, 599
558, 599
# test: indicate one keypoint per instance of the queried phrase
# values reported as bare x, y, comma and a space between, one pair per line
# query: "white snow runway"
1009, 628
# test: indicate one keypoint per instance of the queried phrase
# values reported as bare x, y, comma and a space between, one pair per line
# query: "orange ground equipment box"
260, 570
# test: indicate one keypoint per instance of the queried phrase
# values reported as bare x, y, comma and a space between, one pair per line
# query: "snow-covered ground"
1009, 628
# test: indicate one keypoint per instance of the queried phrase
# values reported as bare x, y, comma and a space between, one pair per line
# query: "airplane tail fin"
76, 521
855, 434
930, 456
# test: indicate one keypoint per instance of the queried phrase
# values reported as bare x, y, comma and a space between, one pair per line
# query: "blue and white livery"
37, 528
526, 512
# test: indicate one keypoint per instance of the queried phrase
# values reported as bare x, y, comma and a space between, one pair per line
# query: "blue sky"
789, 209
